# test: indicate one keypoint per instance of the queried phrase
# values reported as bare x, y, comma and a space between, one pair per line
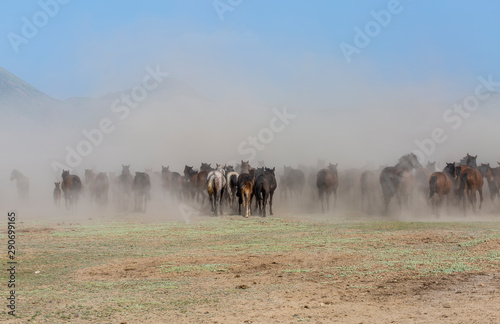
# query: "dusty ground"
283, 269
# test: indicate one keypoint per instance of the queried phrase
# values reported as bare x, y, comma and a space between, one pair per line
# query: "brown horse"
71, 187
492, 177
327, 182
442, 183
470, 180
245, 191
196, 181
57, 194
172, 182
398, 180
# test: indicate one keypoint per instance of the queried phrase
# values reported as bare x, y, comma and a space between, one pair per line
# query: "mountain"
17, 97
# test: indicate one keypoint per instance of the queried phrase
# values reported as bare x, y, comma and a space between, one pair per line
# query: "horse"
124, 187
57, 194
442, 183
470, 180
492, 177
22, 184
231, 185
245, 167
295, 181
245, 191
206, 167
327, 182
141, 186
101, 189
196, 181
71, 187
398, 180
172, 181
89, 183
264, 188
216, 184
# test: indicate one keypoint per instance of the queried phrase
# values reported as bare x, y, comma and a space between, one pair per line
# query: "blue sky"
260, 47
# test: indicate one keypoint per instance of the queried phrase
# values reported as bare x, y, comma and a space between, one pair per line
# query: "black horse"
264, 188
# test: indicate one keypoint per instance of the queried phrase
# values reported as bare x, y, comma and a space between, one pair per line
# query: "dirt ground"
319, 272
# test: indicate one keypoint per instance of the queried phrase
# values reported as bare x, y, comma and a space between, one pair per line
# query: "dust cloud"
354, 121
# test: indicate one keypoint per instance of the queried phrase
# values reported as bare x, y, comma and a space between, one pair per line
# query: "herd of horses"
235, 188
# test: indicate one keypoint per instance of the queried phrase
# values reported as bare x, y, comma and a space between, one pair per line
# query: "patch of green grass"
296, 270
194, 268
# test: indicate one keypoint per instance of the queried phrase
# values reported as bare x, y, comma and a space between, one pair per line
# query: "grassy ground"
177, 272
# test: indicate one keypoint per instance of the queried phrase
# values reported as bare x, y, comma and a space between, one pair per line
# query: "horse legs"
335, 198
328, 194
271, 203
320, 194
264, 204
480, 197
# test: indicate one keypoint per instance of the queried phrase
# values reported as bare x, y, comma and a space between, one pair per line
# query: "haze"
227, 78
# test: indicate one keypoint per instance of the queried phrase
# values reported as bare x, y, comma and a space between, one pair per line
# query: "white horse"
216, 184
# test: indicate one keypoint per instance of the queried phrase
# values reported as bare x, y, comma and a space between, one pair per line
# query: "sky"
370, 80
266, 49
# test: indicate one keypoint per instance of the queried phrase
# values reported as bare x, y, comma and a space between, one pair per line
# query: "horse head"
333, 167
125, 169
270, 170
450, 169
65, 173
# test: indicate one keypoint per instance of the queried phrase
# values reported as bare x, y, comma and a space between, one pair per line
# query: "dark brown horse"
71, 187
398, 180
470, 180
57, 194
327, 183
172, 182
265, 185
197, 182
231, 184
442, 184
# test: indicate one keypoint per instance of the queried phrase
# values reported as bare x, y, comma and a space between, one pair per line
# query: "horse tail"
210, 184
432, 185
463, 181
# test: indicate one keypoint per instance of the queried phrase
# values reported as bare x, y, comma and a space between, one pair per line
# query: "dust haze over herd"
190, 111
